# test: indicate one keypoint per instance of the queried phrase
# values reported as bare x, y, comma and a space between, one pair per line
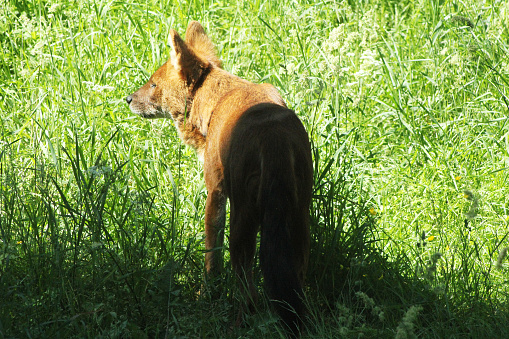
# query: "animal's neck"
214, 87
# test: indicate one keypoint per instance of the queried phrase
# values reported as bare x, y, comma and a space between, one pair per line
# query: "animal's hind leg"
243, 230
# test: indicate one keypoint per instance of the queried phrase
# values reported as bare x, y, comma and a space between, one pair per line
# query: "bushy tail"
277, 198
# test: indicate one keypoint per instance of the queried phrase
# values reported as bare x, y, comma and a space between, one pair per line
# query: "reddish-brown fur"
255, 152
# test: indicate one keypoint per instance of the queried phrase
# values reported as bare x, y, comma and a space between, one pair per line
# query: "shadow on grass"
354, 288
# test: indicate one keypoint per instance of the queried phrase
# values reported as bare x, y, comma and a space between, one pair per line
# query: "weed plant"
101, 212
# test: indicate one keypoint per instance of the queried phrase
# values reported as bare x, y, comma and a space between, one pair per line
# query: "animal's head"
170, 89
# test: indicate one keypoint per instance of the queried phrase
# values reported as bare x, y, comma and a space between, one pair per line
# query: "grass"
101, 212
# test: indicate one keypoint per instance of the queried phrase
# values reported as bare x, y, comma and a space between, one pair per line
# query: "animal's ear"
201, 43
185, 61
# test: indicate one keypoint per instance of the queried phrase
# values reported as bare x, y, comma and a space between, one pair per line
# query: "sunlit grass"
101, 212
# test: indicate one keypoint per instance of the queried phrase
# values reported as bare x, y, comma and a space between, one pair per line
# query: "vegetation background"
101, 212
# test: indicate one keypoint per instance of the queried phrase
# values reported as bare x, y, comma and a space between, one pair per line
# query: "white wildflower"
27, 27
23, 69
368, 64
455, 60
336, 37
349, 44
96, 87
369, 27
406, 326
53, 8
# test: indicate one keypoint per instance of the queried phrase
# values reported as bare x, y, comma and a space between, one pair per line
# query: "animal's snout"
128, 99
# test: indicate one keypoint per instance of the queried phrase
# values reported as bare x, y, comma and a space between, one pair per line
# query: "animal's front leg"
215, 218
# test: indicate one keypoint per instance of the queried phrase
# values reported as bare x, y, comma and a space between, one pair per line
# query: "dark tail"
278, 201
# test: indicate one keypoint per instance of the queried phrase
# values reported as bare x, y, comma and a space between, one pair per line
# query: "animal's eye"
153, 85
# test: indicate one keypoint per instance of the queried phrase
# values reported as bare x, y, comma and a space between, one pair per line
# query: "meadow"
406, 105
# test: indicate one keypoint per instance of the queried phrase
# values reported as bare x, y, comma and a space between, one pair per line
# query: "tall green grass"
101, 212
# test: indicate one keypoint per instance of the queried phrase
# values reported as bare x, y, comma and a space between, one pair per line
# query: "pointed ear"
201, 43
184, 60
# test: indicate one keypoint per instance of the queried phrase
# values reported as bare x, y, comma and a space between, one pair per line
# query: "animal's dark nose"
129, 99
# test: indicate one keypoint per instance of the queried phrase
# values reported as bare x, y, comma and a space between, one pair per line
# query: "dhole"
255, 152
